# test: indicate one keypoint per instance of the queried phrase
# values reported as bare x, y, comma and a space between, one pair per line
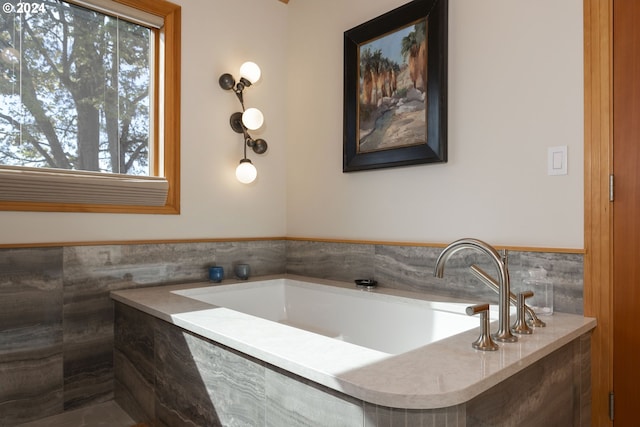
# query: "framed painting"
395, 88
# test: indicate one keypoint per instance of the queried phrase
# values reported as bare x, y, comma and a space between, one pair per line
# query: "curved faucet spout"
504, 331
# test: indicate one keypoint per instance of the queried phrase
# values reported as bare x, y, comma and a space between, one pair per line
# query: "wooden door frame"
598, 210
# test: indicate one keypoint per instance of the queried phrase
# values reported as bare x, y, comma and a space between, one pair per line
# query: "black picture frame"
428, 146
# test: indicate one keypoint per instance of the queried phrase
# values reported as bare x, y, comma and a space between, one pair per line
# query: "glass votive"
542, 301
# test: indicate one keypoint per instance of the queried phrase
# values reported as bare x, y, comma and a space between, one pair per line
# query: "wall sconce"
248, 119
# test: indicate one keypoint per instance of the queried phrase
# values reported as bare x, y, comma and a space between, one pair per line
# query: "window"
89, 106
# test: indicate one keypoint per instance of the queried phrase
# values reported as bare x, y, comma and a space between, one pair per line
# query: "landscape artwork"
392, 90
395, 88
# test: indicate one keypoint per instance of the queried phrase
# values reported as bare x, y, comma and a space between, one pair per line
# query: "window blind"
61, 186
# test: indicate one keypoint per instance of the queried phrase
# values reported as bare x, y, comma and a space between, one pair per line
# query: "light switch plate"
557, 160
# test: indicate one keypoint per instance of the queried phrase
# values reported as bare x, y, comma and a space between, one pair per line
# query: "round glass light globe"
246, 172
250, 71
252, 118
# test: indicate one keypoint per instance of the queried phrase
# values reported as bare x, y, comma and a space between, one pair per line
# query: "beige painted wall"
217, 36
515, 89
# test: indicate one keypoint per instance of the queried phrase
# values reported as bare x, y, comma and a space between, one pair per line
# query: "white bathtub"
391, 348
382, 322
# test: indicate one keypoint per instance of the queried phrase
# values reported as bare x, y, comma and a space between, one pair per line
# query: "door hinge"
611, 188
611, 405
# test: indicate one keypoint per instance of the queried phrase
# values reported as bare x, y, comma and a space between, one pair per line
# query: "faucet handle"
534, 320
521, 326
484, 341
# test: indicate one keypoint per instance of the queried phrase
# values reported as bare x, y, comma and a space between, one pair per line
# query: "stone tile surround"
411, 268
195, 381
56, 317
174, 378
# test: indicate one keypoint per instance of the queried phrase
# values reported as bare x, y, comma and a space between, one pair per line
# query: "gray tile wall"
31, 344
411, 268
56, 317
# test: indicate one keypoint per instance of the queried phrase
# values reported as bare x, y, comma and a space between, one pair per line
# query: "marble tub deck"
443, 374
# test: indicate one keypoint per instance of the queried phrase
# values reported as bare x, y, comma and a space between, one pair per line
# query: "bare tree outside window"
74, 89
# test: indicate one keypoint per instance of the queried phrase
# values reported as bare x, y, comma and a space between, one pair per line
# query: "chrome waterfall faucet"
504, 331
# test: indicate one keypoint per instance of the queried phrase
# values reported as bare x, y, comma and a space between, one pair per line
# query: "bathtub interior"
379, 321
